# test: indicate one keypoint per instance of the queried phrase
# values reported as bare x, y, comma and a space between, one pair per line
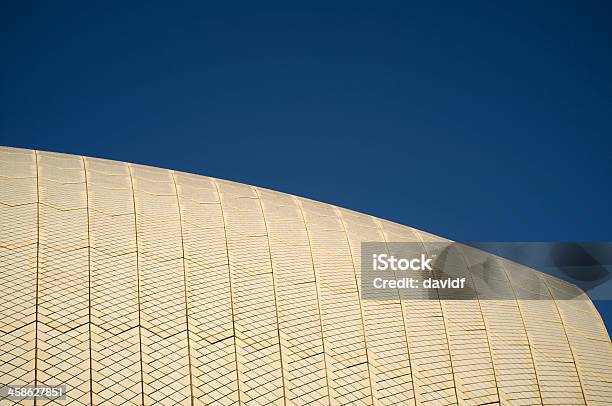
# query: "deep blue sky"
473, 120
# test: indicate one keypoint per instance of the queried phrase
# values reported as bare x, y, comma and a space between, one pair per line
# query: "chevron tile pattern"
134, 285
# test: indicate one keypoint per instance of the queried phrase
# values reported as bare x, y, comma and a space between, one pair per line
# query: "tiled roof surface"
137, 285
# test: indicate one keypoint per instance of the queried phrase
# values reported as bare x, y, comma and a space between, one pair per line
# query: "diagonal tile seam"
60, 182
55, 207
17, 246
17, 205
17, 177
7, 332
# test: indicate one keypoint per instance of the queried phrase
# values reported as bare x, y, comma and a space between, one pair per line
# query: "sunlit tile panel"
134, 285
18, 265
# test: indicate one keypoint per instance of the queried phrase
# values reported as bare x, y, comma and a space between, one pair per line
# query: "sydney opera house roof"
136, 285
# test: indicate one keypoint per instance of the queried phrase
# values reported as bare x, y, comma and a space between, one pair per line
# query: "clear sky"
476, 121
